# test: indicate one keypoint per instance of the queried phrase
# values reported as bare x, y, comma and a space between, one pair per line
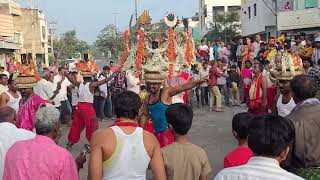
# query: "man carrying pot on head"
157, 102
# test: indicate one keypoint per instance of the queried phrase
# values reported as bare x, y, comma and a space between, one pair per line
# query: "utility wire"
274, 13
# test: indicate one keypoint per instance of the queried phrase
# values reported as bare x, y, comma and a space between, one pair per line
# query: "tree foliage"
109, 40
225, 26
68, 45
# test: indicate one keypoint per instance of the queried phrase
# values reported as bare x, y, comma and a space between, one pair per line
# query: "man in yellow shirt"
307, 50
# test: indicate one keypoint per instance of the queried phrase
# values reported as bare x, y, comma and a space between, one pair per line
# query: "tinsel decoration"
27, 70
90, 66
171, 52
188, 50
125, 44
140, 52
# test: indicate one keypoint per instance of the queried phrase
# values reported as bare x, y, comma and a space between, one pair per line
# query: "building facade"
10, 38
303, 16
209, 8
269, 17
259, 17
33, 26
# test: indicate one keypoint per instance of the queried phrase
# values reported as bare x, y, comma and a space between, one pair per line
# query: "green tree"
109, 40
68, 45
225, 26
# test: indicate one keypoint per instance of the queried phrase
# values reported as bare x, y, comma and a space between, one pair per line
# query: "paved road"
210, 130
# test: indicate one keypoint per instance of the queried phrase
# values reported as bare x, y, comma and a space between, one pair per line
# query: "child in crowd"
182, 159
246, 74
235, 80
240, 129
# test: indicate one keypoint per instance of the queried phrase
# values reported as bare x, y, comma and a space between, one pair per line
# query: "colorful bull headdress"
161, 57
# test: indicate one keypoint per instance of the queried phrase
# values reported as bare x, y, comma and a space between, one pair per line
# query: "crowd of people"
152, 117
241, 71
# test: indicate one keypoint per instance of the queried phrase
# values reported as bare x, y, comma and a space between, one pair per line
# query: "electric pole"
115, 23
136, 10
276, 7
115, 32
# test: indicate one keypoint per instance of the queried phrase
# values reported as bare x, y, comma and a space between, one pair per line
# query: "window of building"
234, 8
249, 12
218, 10
43, 32
205, 11
17, 37
310, 3
255, 9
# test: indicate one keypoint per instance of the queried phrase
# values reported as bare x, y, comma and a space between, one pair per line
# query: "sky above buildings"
88, 17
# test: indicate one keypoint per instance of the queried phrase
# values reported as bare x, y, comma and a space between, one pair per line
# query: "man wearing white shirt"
133, 82
3, 71
102, 99
269, 138
204, 50
256, 45
61, 100
44, 89
3, 83
211, 51
10, 134
204, 73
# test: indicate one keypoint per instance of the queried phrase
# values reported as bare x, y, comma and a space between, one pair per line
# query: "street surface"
210, 130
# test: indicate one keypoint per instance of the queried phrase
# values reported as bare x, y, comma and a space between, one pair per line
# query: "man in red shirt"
113, 68
240, 128
214, 74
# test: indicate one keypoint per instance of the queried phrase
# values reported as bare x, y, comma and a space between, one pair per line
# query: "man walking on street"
84, 115
258, 91
214, 74
204, 73
61, 100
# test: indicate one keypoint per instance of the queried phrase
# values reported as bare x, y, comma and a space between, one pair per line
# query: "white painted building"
208, 8
304, 16
267, 17
258, 17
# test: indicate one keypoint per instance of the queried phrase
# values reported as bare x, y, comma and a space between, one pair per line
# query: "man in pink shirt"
41, 158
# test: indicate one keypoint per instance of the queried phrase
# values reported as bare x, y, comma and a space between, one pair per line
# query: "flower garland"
171, 52
90, 66
296, 60
140, 52
26, 70
125, 44
188, 50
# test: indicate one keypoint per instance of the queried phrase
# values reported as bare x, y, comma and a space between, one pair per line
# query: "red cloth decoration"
140, 53
188, 49
171, 52
26, 70
125, 43
90, 66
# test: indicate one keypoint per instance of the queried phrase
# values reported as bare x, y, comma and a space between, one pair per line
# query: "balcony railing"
298, 19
